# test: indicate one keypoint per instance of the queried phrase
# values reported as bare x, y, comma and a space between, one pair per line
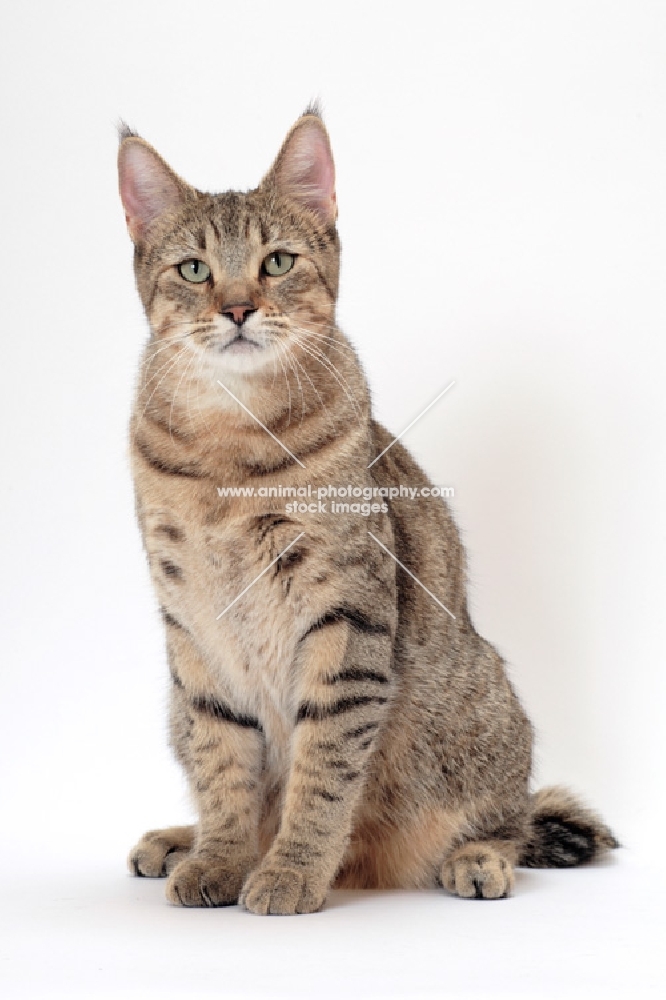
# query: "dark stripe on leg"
221, 711
327, 796
356, 674
351, 734
307, 710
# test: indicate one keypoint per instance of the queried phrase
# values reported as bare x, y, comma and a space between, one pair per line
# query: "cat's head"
236, 275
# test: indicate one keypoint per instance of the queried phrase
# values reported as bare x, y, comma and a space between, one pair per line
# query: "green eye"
278, 263
194, 270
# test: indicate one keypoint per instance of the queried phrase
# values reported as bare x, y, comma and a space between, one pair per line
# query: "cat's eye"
194, 270
278, 263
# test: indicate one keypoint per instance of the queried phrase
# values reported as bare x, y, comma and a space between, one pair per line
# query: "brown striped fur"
336, 726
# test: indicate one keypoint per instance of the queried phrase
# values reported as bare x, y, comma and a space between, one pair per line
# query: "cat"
340, 721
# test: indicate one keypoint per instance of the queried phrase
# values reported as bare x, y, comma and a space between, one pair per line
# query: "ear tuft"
148, 186
304, 168
314, 108
124, 131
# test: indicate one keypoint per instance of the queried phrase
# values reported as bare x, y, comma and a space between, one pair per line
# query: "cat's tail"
562, 832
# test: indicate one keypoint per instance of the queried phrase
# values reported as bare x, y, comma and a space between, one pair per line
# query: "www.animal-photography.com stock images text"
333, 500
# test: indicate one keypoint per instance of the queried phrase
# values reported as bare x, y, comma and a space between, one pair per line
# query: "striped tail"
563, 832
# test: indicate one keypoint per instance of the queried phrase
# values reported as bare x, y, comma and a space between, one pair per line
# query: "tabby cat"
340, 721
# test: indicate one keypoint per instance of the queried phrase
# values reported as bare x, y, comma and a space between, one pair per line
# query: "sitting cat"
340, 721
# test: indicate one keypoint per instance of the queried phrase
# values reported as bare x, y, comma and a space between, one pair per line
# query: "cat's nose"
238, 311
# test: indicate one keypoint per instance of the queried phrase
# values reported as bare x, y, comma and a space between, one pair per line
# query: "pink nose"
238, 312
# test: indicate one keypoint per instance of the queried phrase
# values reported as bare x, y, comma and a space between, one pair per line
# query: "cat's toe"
159, 851
477, 874
200, 881
152, 862
282, 891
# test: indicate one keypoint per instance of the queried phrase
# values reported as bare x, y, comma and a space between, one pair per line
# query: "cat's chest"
237, 587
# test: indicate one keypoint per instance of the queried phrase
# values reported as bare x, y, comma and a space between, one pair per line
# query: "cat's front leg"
343, 699
159, 851
226, 779
222, 752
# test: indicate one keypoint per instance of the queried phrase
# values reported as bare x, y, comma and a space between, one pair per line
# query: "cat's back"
452, 687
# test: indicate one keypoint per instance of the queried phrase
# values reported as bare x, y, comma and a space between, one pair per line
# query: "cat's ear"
304, 168
148, 186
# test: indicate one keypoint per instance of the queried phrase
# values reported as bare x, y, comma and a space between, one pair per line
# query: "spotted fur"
337, 726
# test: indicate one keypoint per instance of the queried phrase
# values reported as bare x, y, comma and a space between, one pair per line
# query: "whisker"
170, 364
284, 327
173, 398
342, 347
345, 350
326, 363
274, 374
163, 345
147, 361
144, 385
202, 416
305, 372
189, 389
300, 387
171, 324
284, 372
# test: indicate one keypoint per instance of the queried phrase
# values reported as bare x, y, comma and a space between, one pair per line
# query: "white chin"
242, 358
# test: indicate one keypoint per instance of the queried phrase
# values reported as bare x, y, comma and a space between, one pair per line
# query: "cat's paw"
280, 890
477, 872
201, 880
159, 851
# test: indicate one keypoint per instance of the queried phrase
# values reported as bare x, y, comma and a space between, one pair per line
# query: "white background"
501, 172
